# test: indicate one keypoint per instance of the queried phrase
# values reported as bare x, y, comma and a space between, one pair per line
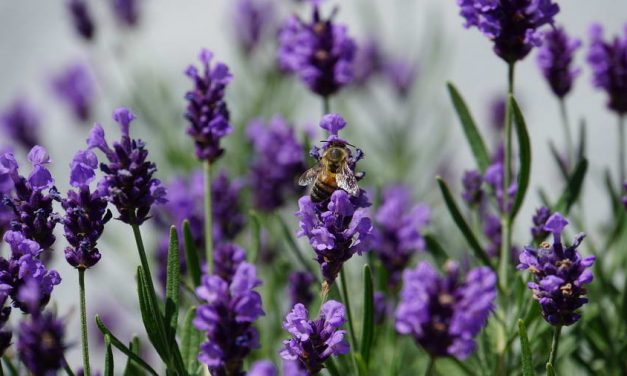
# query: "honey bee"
330, 173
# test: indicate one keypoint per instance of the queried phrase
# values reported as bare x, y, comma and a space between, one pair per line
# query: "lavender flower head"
82, 19
40, 344
444, 313
86, 213
494, 175
206, 112
472, 193
314, 341
231, 307
278, 160
560, 274
512, 25
401, 74
252, 20
608, 60
128, 182
320, 52
555, 59
75, 87
368, 62
126, 12
539, 219
397, 235
497, 113
299, 288
20, 123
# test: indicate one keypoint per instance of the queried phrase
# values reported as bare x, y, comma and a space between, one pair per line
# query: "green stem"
570, 150
144, 260
621, 151
430, 367
349, 315
554, 345
208, 218
66, 367
326, 105
84, 337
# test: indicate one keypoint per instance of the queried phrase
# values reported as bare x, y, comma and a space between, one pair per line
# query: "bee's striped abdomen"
321, 191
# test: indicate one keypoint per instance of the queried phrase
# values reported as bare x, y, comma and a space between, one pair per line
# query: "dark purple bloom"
314, 341
85, 213
40, 344
232, 307
294, 368
128, 182
539, 220
81, 17
253, 19
472, 183
497, 113
206, 112
492, 230
555, 59
278, 161
31, 204
368, 62
20, 122
397, 236
126, 12
299, 288
320, 52
512, 25
75, 87
444, 313
608, 61
401, 74
560, 274
263, 368
494, 176
228, 219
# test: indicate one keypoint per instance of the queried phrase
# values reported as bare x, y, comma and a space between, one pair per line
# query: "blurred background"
142, 67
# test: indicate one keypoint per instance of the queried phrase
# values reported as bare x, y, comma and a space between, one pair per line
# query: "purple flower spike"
126, 12
128, 182
444, 313
320, 52
314, 341
75, 87
332, 123
397, 236
608, 60
539, 220
231, 307
555, 59
253, 20
81, 17
512, 25
20, 122
207, 112
299, 287
560, 275
40, 344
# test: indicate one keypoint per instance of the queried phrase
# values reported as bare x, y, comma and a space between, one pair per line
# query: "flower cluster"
314, 341
253, 20
560, 274
206, 112
512, 25
444, 314
299, 288
81, 17
75, 87
397, 234
40, 344
128, 182
555, 59
609, 65
278, 160
320, 52
231, 307
86, 213
20, 123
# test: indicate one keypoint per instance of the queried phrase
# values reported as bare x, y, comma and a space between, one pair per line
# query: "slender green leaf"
190, 342
173, 280
527, 362
611, 190
550, 371
150, 318
108, 368
367, 331
191, 254
331, 367
436, 249
524, 146
573, 188
132, 368
362, 369
462, 225
583, 137
256, 234
477, 146
561, 163
120, 346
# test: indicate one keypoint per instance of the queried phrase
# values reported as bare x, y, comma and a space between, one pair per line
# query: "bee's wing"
347, 181
310, 175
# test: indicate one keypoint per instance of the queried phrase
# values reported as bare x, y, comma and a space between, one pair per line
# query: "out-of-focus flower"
40, 344
294, 368
472, 193
608, 61
228, 219
368, 62
380, 308
314, 341
74, 86
320, 52
263, 368
20, 122
126, 12
85, 213
555, 59
492, 230
494, 176
128, 182
560, 274
539, 220
497, 112
299, 288
252, 21
206, 112
401, 74
512, 25
444, 313
397, 234
82, 19
278, 161
231, 307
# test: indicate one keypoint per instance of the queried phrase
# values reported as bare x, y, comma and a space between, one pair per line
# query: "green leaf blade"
367, 331
190, 342
524, 146
573, 188
173, 280
191, 254
527, 362
109, 366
